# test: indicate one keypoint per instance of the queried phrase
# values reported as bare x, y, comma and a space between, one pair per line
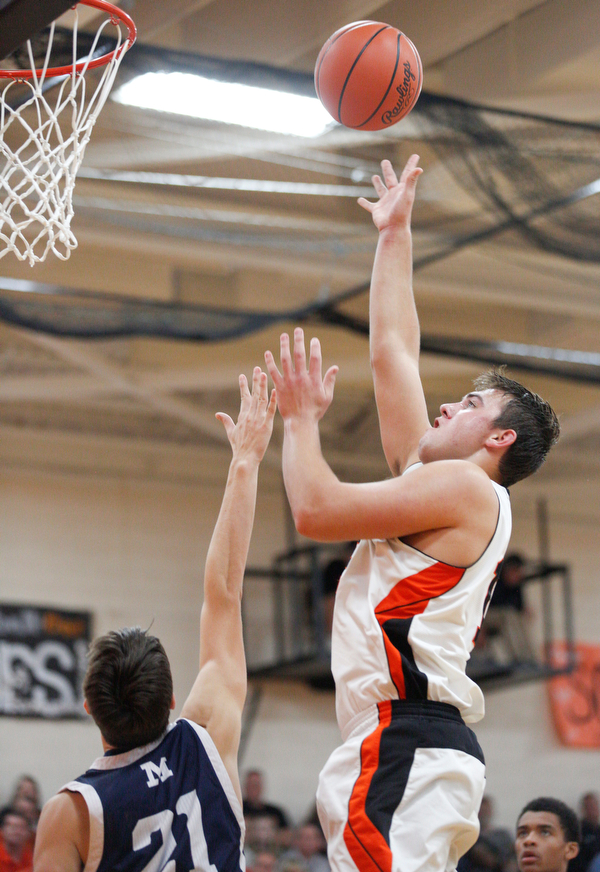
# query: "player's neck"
105, 744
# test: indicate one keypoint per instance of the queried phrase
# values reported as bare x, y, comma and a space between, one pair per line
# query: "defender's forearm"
228, 550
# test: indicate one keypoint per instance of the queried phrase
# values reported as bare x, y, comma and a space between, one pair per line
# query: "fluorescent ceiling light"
229, 102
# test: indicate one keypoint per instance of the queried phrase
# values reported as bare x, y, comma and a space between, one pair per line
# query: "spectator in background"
29, 788
262, 835
28, 808
15, 848
307, 846
547, 836
507, 612
589, 846
265, 861
494, 849
26, 800
254, 804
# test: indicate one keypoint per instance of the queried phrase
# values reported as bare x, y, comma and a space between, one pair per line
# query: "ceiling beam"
511, 59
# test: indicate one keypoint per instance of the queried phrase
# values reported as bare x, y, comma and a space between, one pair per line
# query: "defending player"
402, 792
168, 796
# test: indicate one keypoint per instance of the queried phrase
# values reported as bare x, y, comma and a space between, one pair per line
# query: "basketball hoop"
43, 135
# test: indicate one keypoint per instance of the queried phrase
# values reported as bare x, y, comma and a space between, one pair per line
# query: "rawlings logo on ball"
404, 95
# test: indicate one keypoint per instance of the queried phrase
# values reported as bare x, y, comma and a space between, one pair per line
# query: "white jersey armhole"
96, 817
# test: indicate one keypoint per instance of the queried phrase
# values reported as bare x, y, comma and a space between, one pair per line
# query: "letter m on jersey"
156, 773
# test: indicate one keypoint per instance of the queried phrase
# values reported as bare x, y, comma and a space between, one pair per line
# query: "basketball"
368, 75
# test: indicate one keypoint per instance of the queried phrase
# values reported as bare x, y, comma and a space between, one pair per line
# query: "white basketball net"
42, 142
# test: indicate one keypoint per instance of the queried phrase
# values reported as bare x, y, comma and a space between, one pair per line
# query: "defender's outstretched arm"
394, 324
217, 697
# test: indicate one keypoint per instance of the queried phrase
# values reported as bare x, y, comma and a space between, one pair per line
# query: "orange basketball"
368, 75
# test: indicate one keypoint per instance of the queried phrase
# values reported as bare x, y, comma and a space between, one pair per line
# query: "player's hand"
302, 391
396, 197
250, 436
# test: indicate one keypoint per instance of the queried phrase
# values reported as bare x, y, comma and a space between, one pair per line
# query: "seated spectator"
27, 799
265, 861
589, 847
507, 612
494, 850
307, 849
254, 804
261, 837
15, 848
28, 787
547, 836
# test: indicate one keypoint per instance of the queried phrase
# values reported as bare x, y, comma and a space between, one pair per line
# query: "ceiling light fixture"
228, 102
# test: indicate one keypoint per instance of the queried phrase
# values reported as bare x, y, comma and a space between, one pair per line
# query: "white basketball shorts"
403, 791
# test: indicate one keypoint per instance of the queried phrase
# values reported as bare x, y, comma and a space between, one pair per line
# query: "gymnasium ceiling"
145, 406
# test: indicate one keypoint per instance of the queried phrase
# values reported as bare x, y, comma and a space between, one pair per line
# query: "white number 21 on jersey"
162, 822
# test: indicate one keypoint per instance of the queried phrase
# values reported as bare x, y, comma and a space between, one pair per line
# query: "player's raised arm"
394, 325
327, 509
217, 697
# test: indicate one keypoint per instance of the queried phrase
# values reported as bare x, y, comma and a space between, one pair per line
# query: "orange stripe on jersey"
367, 846
410, 597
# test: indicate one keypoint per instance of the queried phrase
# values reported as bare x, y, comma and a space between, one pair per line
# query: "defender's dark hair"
567, 817
128, 687
532, 419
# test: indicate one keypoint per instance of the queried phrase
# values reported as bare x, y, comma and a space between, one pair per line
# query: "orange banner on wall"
575, 698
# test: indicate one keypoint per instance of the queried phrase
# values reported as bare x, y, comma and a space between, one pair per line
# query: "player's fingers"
244, 389
316, 359
380, 188
366, 204
389, 175
256, 373
329, 381
260, 385
246, 398
299, 351
412, 170
286, 356
272, 369
227, 423
272, 407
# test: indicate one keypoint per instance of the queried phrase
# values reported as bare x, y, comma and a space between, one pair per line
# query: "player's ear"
86, 706
571, 851
172, 706
501, 439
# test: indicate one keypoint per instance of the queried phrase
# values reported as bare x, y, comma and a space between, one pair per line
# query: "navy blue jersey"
167, 806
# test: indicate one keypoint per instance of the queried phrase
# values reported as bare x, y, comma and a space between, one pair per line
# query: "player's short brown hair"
128, 687
533, 420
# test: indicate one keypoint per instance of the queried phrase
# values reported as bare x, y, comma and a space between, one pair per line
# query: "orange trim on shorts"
367, 846
409, 597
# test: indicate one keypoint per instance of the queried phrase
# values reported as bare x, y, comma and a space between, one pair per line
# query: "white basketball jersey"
404, 624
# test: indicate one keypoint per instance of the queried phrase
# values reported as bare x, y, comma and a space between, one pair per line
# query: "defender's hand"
250, 436
396, 198
302, 391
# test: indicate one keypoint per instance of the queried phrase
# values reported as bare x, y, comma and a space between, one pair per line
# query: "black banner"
42, 661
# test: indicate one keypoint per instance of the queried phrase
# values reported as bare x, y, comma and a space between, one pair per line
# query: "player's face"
462, 428
541, 845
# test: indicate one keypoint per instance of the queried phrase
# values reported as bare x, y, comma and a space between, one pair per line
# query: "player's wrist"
300, 423
244, 463
397, 232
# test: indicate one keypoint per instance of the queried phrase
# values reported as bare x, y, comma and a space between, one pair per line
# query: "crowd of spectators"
274, 845
18, 822
494, 850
